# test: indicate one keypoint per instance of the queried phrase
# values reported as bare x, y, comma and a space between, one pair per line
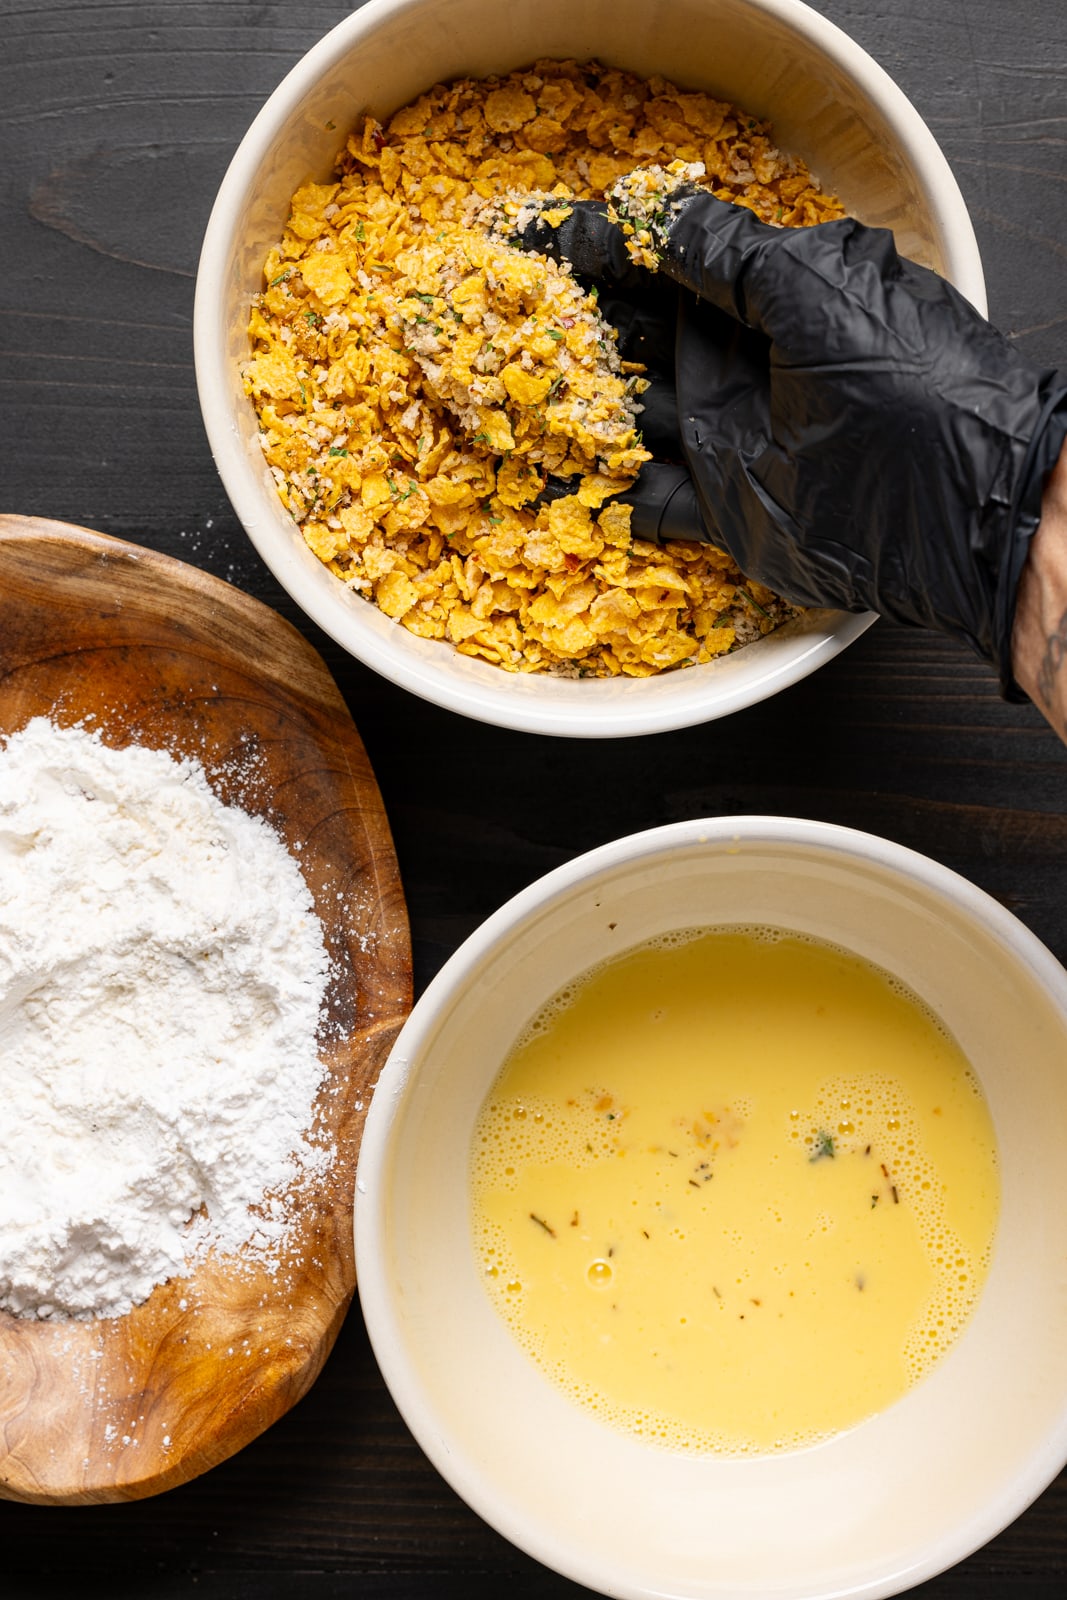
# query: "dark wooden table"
119, 120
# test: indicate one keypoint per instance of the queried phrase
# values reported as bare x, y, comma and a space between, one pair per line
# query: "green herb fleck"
823, 1146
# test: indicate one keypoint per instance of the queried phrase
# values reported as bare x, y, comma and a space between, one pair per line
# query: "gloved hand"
839, 419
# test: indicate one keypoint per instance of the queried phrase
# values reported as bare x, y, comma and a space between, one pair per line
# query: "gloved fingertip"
663, 502
664, 505
537, 232
554, 489
681, 518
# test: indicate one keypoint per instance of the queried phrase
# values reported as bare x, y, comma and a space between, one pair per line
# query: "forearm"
1039, 639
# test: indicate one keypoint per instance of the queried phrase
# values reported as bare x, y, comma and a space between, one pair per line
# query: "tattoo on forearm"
1052, 660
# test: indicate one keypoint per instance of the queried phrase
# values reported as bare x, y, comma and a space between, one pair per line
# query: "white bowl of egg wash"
386, 390
711, 1216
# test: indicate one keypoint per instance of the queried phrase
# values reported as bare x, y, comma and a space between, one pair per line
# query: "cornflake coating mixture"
416, 377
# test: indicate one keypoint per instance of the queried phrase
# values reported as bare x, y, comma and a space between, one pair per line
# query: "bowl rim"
384, 1326
605, 708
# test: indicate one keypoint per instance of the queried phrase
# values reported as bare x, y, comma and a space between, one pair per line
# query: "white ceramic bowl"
829, 102
870, 1512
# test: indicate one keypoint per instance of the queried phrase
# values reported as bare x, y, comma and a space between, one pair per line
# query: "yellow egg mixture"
735, 1190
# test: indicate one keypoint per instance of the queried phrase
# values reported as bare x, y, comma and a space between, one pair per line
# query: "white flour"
162, 972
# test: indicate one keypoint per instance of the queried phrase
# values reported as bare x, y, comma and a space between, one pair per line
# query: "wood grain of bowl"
144, 649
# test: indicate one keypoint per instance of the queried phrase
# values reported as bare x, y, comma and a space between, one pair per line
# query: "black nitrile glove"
851, 430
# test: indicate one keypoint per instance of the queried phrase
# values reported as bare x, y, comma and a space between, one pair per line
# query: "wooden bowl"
144, 648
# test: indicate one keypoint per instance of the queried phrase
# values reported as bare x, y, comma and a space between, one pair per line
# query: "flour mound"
162, 977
